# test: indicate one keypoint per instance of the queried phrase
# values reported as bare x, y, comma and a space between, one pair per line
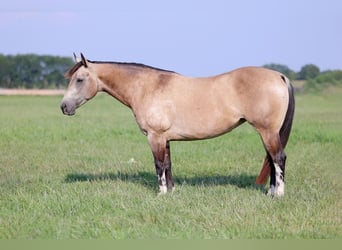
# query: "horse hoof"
275, 192
162, 190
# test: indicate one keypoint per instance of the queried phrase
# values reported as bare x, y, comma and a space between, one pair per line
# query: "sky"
192, 37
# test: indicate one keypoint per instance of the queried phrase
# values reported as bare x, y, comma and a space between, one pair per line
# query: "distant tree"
33, 71
308, 71
323, 80
283, 69
6, 71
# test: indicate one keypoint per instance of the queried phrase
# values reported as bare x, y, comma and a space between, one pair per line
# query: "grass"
92, 176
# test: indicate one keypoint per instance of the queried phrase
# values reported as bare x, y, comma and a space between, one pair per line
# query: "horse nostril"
63, 107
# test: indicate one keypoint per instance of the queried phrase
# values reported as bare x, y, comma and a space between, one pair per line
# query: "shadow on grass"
144, 178
149, 180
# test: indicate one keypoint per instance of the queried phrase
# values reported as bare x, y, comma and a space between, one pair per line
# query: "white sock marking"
280, 186
162, 187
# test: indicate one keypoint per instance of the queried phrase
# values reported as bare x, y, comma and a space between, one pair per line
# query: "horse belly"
202, 124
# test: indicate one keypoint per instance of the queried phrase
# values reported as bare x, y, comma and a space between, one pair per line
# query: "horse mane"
73, 69
79, 64
138, 65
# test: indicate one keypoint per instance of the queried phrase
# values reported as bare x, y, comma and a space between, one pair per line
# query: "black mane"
139, 65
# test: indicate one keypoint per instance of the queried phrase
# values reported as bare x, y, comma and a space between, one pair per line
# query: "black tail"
284, 133
287, 124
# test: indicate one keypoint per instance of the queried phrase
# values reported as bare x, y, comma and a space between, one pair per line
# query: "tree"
308, 71
283, 69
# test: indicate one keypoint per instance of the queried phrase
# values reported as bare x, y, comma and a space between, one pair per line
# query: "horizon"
170, 70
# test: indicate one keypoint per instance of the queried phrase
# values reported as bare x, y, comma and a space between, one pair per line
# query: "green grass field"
92, 176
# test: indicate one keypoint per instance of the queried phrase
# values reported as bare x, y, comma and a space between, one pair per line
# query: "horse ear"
76, 58
84, 61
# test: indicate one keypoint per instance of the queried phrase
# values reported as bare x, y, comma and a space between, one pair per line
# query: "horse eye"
79, 80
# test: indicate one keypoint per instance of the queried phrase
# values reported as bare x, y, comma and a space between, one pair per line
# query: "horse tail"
287, 124
284, 133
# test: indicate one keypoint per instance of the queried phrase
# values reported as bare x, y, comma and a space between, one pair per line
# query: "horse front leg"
169, 180
162, 160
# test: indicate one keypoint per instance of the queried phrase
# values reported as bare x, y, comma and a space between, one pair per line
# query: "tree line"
33, 71
315, 79
46, 71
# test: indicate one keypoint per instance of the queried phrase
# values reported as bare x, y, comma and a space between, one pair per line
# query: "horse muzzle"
68, 108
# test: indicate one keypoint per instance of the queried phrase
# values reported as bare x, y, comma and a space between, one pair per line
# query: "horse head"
82, 87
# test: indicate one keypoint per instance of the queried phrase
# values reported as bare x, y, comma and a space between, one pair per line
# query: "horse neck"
120, 81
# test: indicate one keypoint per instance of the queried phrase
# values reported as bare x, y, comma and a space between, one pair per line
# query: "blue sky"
195, 38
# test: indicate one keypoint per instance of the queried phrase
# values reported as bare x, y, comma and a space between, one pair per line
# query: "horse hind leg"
279, 167
276, 159
265, 171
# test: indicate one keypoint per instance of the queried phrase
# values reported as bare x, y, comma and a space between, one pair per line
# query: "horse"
168, 106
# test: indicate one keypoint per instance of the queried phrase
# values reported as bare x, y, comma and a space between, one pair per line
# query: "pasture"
92, 176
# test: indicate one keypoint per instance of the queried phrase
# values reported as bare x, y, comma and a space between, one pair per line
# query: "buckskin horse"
171, 107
